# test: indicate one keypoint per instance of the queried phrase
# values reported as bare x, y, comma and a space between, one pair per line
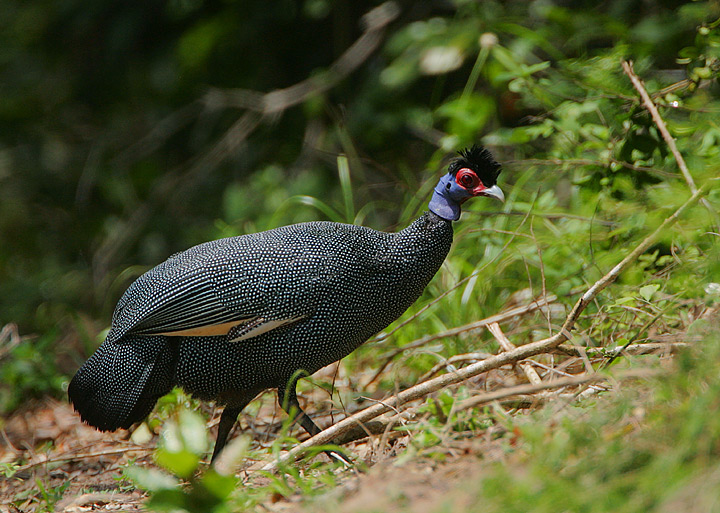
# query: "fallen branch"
505, 358
449, 363
505, 344
633, 349
483, 323
523, 392
86, 455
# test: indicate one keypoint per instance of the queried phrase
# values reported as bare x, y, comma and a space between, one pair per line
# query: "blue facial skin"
448, 197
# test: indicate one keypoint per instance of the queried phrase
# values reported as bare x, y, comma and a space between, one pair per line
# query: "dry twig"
650, 106
633, 349
483, 323
73, 457
506, 345
449, 363
669, 140
532, 388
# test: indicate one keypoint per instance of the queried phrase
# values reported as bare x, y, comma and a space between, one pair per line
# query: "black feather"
323, 288
481, 161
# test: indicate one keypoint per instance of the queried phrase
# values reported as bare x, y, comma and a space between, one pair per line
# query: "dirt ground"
67, 467
79, 469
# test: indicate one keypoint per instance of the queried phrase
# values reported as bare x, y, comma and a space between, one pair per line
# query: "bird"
228, 319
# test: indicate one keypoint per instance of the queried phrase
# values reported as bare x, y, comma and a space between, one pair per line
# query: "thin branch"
506, 345
9, 339
277, 101
483, 323
633, 349
504, 393
650, 106
546, 216
589, 162
449, 363
610, 277
73, 457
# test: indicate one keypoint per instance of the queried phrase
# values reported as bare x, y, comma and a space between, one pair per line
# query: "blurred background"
132, 130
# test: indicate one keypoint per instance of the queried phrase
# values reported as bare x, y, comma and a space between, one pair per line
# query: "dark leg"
287, 397
227, 421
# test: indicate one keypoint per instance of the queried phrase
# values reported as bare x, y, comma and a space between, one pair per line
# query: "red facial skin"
467, 179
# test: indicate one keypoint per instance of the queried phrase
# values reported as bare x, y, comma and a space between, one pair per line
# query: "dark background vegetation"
83, 84
115, 121
100, 103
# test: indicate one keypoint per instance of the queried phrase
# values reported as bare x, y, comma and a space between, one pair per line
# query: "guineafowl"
230, 318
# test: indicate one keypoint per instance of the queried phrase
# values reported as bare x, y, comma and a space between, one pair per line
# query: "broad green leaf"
648, 291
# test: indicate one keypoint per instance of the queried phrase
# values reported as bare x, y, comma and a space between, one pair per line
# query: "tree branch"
652, 108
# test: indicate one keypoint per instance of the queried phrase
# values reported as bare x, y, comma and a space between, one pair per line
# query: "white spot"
440, 59
712, 289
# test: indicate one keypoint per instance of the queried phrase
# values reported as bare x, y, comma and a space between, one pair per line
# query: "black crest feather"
481, 161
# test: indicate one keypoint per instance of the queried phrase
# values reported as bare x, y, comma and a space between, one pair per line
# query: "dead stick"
632, 349
505, 358
650, 106
482, 323
610, 277
506, 345
73, 457
450, 362
526, 389
669, 140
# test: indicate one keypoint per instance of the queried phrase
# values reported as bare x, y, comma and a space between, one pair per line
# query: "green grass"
650, 447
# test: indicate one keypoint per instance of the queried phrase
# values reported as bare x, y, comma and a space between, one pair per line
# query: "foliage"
82, 199
28, 372
184, 442
106, 168
183, 484
652, 448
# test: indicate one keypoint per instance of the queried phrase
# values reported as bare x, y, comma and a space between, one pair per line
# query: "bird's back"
297, 297
348, 282
291, 272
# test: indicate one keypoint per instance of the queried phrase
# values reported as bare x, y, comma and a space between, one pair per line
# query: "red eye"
467, 178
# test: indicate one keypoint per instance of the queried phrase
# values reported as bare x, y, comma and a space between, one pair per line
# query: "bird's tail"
120, 384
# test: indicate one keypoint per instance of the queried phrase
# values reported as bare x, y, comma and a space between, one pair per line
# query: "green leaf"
151, 479
182, 463
648, 291
346, 185
311, 201
219, 485
193, 432
467, 115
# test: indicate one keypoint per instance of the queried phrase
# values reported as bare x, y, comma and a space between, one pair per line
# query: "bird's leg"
227, 421
287, 397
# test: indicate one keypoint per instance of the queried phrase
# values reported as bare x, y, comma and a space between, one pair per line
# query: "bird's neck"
428, 238
442, 204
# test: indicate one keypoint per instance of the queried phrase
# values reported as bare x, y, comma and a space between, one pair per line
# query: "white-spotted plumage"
229, 318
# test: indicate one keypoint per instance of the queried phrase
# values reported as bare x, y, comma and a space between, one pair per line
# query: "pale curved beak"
494, 192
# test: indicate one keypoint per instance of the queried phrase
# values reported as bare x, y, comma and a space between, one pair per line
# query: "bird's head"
473, 173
